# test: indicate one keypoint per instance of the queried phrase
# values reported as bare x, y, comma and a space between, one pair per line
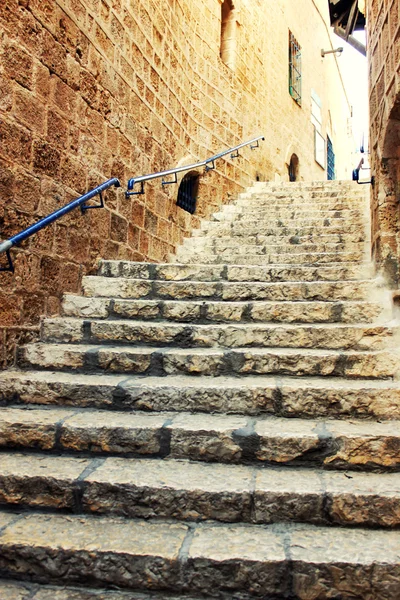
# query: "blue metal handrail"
6, 245
79, 202
234, 152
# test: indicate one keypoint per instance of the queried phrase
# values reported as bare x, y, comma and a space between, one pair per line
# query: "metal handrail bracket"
15, 240
356, 174
254, 143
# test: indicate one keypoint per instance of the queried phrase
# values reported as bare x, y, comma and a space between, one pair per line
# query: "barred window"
187, 192
294, 69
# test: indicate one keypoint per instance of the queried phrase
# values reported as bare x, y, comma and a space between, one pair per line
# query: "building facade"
383, 23
91, 89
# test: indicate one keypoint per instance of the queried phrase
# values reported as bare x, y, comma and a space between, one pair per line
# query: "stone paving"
213, 428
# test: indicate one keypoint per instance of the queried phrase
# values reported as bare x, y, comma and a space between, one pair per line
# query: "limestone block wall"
91, 89
383, 19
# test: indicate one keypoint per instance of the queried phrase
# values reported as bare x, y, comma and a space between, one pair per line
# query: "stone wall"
91, 89
383, 19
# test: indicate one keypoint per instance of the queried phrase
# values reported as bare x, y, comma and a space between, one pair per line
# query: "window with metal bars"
187, 192
294, 69
330, 160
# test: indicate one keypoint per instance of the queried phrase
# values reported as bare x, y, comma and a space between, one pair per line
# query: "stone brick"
53, 54
15, 142
18, 64
46, 159
30, 110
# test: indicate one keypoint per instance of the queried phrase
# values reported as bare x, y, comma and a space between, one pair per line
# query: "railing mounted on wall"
15, 240
209, 164
356, 174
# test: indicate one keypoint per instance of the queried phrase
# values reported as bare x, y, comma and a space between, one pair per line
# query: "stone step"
330, 291
307, 397
189, 491
347, 230
355, 336
210, 361
225, 312
287, 218
221, 438
300, 202
16, 590
233, 273
277, 237
186, 255
284, 560
273, 212
221, 246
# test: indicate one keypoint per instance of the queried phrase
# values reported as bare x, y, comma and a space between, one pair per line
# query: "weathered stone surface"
367, 499
356, 563
62, 330
146, 553
116, 432
15, 591
252, 395
283, 441
378, 446
201, 437
245, 559
80, 306
33, 591
42, 481
26, 428
198, 272
327, 335
231, 290
369, 399
178, 489
212, 361
116, 288
256, 259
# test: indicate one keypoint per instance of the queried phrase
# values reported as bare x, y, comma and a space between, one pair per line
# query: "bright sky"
354, 68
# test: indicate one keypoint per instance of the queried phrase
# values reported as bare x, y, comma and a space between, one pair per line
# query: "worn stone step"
233, 273
287, 218
273, 212
17, 590
330, 291
255, 560
211, 361
355, 336
302, 202
225, 312
283, 396
348, 231
186, 255
219, 438
277, 237
220, 246
184, 490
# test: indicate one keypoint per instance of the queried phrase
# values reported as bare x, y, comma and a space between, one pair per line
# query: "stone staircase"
225, 426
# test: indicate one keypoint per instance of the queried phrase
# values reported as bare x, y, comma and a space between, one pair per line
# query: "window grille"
294, 69
187, 192
330, 159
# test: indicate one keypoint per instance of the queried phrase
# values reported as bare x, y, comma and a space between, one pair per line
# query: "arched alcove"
228, 34
293, 168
